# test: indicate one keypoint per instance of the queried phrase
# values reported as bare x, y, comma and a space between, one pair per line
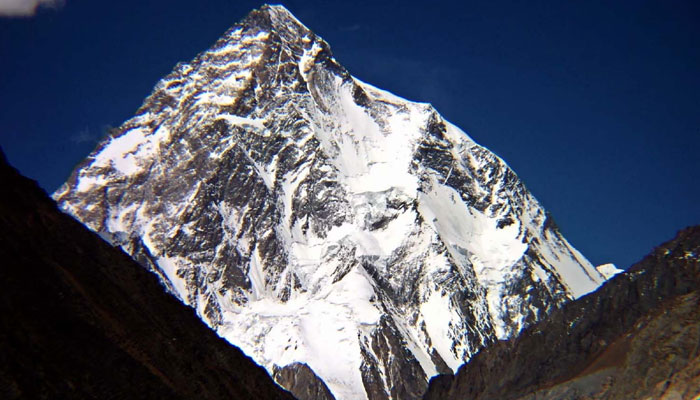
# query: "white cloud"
25, 8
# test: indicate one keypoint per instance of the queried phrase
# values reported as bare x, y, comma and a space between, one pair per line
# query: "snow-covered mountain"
311, 218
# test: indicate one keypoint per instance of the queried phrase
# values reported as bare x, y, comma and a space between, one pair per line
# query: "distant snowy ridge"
608, 270
312, 218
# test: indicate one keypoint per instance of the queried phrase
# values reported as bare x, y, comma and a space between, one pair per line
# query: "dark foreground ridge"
637, 337
81, 319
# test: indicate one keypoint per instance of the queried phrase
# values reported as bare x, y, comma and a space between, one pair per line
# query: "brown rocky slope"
81, 319
637, 337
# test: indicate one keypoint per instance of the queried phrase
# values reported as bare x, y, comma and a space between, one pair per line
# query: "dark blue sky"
596, 104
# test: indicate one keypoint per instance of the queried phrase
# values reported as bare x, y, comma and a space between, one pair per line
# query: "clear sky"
595, 104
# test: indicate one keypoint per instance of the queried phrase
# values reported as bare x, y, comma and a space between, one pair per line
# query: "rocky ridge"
637, 337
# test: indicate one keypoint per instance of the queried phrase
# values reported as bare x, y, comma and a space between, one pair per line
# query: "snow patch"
169, 266
608, 270
236, 120
130, 151
309, 329
436, 312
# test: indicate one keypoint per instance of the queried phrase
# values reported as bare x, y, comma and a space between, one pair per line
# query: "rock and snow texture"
311, 218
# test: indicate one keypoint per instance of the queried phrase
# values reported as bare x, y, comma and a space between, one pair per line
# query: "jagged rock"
302, 382
312, 218
79, 319
637, 337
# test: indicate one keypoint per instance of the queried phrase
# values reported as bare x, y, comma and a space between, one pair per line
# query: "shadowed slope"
81, 319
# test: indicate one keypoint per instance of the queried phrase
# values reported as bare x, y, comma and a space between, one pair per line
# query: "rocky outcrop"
302, 382
79, 319
637, 337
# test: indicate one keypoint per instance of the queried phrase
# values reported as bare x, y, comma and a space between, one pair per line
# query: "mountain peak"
281, 15
273, 39
304, 213
274, 19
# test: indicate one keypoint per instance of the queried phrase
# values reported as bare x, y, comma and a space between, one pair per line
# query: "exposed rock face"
311, 218
302, 382
80, 319
637, 337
